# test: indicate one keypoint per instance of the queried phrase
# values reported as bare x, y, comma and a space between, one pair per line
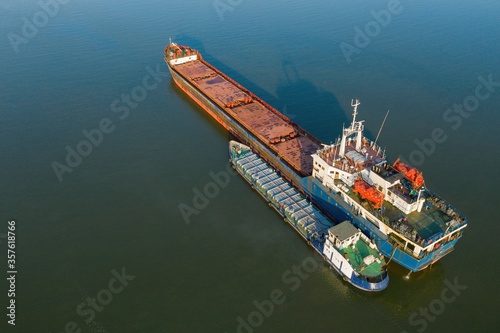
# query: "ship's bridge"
353, 160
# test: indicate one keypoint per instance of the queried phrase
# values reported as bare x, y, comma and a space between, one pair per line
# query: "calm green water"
119, 207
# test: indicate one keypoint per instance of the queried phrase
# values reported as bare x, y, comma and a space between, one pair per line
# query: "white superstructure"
391, 197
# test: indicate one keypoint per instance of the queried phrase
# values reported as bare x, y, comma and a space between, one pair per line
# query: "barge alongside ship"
343, 247
348, 180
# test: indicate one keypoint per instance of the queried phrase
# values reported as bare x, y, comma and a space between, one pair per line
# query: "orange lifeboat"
411, 174
369, 192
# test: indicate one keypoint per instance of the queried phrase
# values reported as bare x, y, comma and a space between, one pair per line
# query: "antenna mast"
355, 111
380, 130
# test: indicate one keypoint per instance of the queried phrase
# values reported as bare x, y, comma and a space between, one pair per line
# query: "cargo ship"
347, 180
346, 249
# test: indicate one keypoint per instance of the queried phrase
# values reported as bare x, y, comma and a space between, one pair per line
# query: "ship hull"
338, 209
329, 202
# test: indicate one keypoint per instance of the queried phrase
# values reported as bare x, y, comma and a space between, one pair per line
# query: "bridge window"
410, 247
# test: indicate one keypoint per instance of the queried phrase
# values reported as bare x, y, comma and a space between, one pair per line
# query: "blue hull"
331, 203
353, 279
335, 206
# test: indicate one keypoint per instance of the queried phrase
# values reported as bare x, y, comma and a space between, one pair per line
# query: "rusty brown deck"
280, 134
